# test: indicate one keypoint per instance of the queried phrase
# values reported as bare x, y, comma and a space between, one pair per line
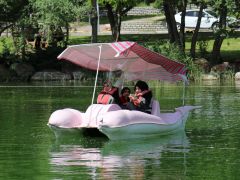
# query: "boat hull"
116, 123
145, 129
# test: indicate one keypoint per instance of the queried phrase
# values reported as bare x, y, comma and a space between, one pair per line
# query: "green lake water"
208, 149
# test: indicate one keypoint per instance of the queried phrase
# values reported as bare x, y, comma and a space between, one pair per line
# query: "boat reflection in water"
101, 158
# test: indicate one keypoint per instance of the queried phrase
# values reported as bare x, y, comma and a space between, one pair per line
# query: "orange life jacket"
111, 92
137, 101
139, 98
105, 99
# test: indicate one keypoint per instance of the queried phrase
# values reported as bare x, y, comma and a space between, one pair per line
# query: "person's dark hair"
124, 89
142, 85
148, 96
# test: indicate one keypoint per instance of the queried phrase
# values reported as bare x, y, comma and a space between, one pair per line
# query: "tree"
224, 7
183, 5
220, 36
56, 14
169, 11
10, 12
237, 3
116, 9
195, 34
94, 20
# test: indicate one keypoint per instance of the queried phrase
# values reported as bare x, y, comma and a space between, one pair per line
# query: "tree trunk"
94, 21
118, 28
182, 28
112, 19
195, 34
220, 36
171, 23
168, 21
115, 20
23, 43
67, 35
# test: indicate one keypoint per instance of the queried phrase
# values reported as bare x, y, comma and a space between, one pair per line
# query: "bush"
171, 51
203, 46
7, 51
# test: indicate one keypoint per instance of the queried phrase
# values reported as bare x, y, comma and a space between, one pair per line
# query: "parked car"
209, 19
233, 22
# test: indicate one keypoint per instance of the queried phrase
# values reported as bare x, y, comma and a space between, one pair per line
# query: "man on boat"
109, 94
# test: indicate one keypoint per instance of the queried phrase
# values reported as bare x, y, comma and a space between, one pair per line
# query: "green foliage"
11, 10
7, 51
54, 17
4, 47
229, 74
118, 3
55, 12
158, 4
171, 51
51, 13
203, 46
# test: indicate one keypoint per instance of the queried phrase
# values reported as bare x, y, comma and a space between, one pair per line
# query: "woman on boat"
142, 98
124, 98
109, 94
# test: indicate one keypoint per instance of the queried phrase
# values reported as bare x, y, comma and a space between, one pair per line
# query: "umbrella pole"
183, 98
96, 78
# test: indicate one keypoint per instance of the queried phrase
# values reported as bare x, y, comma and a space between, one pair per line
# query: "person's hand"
131, 97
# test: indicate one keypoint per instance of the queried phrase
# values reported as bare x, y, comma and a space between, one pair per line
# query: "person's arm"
119, 85
148, 98
116, 96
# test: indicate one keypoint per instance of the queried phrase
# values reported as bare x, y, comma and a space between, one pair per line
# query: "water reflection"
237, 85
211, 83
102, 158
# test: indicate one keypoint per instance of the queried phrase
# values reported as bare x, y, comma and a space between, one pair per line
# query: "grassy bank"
230, 50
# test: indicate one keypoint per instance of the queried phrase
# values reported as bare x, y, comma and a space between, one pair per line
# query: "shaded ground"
104, 29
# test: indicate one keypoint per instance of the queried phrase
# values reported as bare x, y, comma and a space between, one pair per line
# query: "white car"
209, 19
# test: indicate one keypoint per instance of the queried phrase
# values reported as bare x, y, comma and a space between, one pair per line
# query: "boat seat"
155, 108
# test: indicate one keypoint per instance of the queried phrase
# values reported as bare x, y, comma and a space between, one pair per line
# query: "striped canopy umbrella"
136, 61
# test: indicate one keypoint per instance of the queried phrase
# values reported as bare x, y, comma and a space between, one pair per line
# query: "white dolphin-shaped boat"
135, 62
116, 123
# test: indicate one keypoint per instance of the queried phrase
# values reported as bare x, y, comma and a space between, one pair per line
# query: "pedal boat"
136, 63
